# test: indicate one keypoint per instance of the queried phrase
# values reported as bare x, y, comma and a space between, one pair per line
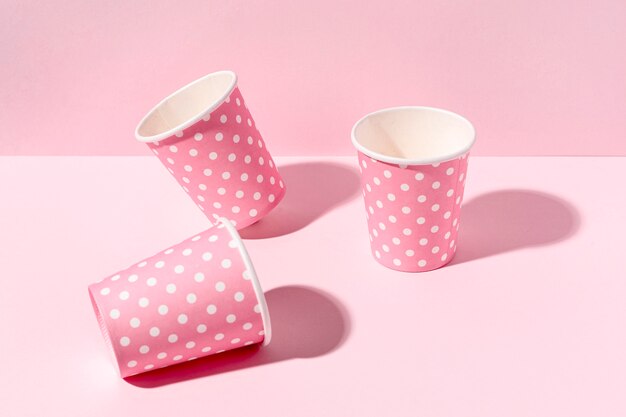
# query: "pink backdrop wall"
536, 77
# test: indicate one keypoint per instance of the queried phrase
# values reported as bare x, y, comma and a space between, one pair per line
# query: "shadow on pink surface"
306, 323
508, 220
313, 188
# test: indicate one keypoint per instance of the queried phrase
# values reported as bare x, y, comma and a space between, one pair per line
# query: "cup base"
412, 268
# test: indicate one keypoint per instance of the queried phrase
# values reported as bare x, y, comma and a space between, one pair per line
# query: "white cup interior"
413, 135
186, 106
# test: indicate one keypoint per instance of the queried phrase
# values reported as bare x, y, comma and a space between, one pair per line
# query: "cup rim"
414, 161
191, 121
243, 252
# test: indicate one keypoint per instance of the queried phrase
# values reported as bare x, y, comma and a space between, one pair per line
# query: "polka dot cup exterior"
413, 164
205, 136
197, 298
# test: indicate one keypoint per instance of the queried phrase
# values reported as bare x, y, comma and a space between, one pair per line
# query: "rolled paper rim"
243, 252
104, 330
191, 121
412, 161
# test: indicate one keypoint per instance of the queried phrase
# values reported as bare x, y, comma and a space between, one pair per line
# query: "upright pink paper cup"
413, 164
206, 138
197, 298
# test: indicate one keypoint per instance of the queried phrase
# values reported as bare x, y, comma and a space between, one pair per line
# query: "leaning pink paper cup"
195, 299
413, 163
206, 138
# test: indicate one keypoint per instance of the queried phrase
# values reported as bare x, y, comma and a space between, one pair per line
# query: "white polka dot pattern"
223, 164
182, 304
413, 211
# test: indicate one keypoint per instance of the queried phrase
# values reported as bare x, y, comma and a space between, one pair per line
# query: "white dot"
404, 187
231, 318
235, 209
446, 236
124, 341
232, 157
143, 302
461, 177
238, 101
421, 220
182, 318
253, 212
435, 249
450, 192
124, 295
219, 336
434, 229
379, 204
407, 232
133, 278
207, 172
396, 241
144, 349
450, 171
170, 288
257, 309
436, 164
257, 196
151, 282
376, 181
436, 185
226, 263
259, 178
406, 210
179, 269
249, 122
186, 180
377, 254
132, 364
201, 328
223, 118
421, 198
177, 357
382, 226
238, 118
247, 326
148, 366
239, 296
162, 355
213, 238
105, 291
207, 256
220, 286
451, 243
391, 197
244, 177
409, 252
163, 309
393, 219
159, 264
423, 241
226, 175
387, 173
115, 277
173, 338
198, 136
236, 138
385, 248
447, 215
193, 152
190, 345
444, 256
134, 322
435, 207
221, 191
188, 168
170, 160
219, 136
419, 176
206, 349
114, 314
397, 262
213, 156
211, 309
191, 298
421, 263
235, 340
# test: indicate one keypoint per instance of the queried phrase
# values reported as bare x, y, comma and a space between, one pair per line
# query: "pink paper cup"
206, 138
413, 164
195, 299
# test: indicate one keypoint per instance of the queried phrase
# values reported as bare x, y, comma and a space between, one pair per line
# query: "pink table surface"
528, 320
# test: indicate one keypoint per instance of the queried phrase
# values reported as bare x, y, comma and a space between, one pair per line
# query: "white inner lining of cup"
265, 314
413, 135
186, 106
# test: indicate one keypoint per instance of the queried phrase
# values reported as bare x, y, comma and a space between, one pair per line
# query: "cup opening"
413, 135
265, 314
186, 106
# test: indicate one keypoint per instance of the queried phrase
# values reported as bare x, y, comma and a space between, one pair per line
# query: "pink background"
535, 77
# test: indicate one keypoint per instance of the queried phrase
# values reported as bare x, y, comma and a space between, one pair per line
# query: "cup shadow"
313, 188
507, 220
306, 323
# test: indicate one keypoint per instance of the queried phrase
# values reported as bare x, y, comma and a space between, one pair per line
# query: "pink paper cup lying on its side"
207, 139
197, 298
413, 164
